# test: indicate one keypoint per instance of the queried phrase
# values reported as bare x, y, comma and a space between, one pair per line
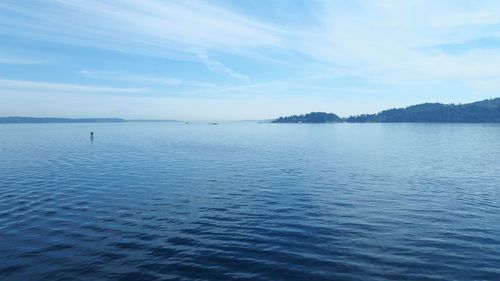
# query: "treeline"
15, 119
487, 111
313, 117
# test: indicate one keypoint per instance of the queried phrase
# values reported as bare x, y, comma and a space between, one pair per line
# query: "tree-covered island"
486, 111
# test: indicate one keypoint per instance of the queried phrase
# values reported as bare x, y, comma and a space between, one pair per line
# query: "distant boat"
213, 123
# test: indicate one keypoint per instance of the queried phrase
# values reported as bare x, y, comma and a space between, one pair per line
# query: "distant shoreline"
486, 111
37, 120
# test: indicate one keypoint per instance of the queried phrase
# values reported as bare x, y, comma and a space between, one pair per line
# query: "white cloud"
388, 41
20, 60
169, 29
22, 86
160, 28
138, 78
9, 56
383, 41
219, 67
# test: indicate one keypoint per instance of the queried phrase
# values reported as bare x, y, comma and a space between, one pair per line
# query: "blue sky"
234, 60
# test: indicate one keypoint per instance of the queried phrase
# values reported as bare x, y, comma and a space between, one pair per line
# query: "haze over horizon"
236, 60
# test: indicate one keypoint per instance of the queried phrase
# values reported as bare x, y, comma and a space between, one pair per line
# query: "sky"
243, 60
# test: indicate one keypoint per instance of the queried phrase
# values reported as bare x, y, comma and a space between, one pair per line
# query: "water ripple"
249, 202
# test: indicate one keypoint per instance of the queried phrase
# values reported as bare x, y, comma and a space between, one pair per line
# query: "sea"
249, 201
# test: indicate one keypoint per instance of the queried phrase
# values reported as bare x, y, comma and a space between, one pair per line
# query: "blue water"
247, 201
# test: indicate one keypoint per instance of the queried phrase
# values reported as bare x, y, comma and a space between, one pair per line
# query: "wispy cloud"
168, 29
388, 41
219, 67
44, 87
382, 41
128, 77
19, 60
8, 56
275, 89
160, 28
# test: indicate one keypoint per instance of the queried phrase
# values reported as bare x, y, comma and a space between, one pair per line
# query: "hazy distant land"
486, 111
16, 119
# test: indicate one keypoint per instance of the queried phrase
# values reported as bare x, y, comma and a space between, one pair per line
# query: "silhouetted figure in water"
91, 136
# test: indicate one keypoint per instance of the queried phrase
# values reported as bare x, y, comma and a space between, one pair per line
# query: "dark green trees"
313, 117
486, 111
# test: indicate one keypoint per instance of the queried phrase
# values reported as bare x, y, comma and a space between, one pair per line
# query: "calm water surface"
248, 201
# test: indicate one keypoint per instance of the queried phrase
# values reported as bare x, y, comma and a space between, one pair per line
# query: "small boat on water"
213, 123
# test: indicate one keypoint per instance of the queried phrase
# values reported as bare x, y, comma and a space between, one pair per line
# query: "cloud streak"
219, 67
150, 27
44, 87
128, 77
382, 41
389, 41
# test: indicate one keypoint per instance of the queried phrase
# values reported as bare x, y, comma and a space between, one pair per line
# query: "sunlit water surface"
250, 201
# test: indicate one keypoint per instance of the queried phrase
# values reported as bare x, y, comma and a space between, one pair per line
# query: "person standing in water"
91, 136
